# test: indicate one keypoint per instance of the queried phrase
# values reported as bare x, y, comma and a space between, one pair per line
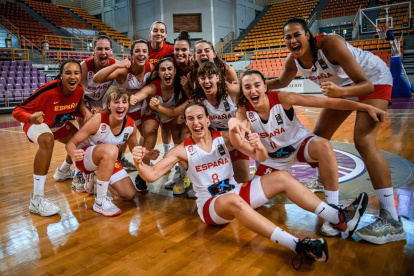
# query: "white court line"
12, 131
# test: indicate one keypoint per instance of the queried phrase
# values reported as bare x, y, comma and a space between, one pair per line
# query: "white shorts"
87, 166
301, 154
35, 131
252, 192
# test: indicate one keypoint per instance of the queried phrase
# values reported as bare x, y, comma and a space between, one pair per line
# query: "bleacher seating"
61, 56
270, 68
231, 57
399, 14
18, 80
337, 8
269, 31
115, 35
33, 32
55, 15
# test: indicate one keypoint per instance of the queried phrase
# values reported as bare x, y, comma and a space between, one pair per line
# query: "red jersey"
155, 56
181, 72
56, 105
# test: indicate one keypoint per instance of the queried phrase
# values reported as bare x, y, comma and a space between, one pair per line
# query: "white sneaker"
78, 182
105, 206
127, 165
315, 186
191, 193
90, 181
42, 206
61, 176
328, 231
175, 179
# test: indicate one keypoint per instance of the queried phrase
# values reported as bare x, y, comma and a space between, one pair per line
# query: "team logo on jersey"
103, 127
191, 149
279, 119
117, 165
322, 64
68, 127
90, 74
251, 116
221, 150
226, 106
125, 136
61, 119
245, 184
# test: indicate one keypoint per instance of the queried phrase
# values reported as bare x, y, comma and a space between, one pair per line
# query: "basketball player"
220, 198
344, 71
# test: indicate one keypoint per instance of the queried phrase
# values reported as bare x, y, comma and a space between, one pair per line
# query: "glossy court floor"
161, 234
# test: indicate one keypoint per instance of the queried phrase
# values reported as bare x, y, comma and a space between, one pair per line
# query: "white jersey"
375, 69
170, 103
132, 85
219, 117
208, 168
96, 92
280, 132
105, 135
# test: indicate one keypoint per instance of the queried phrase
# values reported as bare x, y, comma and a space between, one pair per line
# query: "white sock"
39, 184
141, 140
65, 167
284, 238
101, 187
386, 201
332, 197
166, 148
327, 212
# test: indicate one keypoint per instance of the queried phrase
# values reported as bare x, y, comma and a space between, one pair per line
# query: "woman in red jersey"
45, 118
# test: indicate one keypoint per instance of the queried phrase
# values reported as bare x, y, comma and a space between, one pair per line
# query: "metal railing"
219, 47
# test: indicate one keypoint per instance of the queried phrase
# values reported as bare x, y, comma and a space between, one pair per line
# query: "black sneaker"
140, 184
314, 249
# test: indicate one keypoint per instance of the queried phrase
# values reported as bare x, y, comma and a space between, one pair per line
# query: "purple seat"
20, 63
9, 96
12, 74
4, 74
26, 79
27, 68
7, 63
3, 81
19, 74
27, 74
2, 87
41, 74
42, 79
48, 79
34, 69
34, 75
9, 87
25, 94
26, 63
10, 80
18, 86
26, 86
19, 68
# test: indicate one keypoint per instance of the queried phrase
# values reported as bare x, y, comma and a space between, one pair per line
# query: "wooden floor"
158, 234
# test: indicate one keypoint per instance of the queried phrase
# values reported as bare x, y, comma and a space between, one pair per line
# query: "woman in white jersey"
271, 115
344, 71
95, 146
168, 91
220, 198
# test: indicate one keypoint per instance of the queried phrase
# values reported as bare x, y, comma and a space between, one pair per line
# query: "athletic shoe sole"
353, 223
98, 209
35, 211
381, 240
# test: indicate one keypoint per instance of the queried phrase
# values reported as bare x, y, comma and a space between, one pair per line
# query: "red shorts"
136, 116
381, 91
237, 155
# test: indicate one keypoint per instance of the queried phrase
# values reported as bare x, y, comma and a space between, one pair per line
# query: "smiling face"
254, 89
204, 53
167, 72
296, 40
158, 33
181, 51
208, 83
140, 53
71, 76
102, 52
197, 121
118, 106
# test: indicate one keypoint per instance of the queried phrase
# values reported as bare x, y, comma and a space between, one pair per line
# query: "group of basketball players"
217, 123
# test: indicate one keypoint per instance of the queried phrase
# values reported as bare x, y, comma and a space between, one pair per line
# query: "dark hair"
312, 40
136, 42
101, 35
178, 89
241, 99
221, 66
158, 22
197, 104
62, 65
118, 93
211, 69
183, 36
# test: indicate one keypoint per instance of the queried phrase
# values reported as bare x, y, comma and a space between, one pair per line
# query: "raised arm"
288, 99
84, 74
90, 127
151, 174
115, 71
288, 74
167, 112
231, 75
253, 147
336, 51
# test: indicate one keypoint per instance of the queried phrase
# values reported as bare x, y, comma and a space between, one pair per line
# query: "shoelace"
304, 243
43, 201
379, 221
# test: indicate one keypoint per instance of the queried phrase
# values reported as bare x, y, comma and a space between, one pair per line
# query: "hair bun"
101, 33
184, 35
